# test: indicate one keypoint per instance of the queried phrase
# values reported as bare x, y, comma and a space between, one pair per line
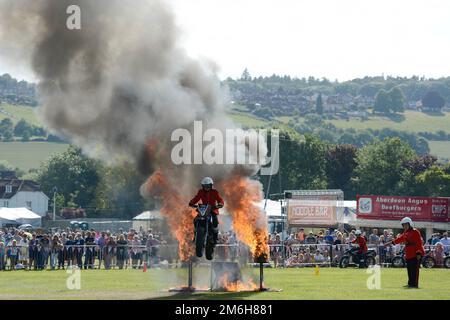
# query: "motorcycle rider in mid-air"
361, 241
208, 195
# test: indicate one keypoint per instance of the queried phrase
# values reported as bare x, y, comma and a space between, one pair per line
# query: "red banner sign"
396, 208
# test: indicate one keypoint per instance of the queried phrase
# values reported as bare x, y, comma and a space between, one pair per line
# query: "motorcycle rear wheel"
370, 261
199, 241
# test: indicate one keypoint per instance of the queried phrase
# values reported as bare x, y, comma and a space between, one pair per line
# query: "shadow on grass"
433, 113
395, 117
208, 296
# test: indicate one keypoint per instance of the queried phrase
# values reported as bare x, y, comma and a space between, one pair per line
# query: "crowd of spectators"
327, 246
59, 249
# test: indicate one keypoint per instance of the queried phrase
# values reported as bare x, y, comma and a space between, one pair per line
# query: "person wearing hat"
208, 195
413, 250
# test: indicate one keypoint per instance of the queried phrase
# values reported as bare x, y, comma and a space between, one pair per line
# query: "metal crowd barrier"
166, 255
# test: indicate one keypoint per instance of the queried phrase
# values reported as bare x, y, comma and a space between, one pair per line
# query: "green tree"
380, 167
75, 176
433, 100
363, 137
314, 120
434, 182
302, 164
38, 131
370, 89
325, 135
5, 166
6, 129
21, 127
319, 104
396, 99
347, 138
72, 200
26, 134
246, 75
381, 102
390, 101
340, 164
414, 167
60, 202
118, 190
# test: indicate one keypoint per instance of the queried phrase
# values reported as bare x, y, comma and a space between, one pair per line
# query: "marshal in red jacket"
211, 197
413, 243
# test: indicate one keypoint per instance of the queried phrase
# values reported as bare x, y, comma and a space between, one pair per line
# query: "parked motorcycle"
447, 261
350, 257
427, 261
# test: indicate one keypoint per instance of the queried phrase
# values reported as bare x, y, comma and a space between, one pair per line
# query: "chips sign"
396, 208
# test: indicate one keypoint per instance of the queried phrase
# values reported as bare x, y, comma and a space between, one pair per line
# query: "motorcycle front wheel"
428, 262
344, 262
447, 262
398, 262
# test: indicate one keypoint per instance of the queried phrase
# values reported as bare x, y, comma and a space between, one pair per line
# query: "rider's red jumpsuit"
213, 198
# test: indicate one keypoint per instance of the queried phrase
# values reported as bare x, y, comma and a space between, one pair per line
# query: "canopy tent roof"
149, 215
20, 216
273, 208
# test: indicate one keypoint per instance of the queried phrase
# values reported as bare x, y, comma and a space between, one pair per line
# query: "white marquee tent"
273, 208
19, 216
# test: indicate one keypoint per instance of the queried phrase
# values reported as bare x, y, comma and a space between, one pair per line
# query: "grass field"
440, 149
28, 155
296, 284
411, 121
15, 113
248, 120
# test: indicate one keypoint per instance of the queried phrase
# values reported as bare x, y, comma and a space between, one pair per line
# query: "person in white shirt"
318, 257
24, 250
445, 240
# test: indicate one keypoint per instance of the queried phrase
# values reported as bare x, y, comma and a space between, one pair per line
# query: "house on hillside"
333, 104
16, 193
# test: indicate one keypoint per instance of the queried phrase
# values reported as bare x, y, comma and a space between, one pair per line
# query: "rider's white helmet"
407, 220
207, 180
358, 232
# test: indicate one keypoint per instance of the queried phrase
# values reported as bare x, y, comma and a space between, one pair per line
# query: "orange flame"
235, 286
241, 195
175, 210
